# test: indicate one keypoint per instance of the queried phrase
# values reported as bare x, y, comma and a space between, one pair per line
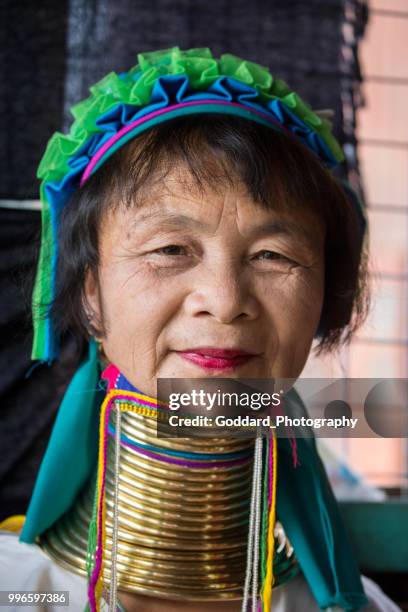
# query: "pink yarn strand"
99, 549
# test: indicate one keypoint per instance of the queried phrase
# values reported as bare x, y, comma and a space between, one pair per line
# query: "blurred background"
347, 56
380, 348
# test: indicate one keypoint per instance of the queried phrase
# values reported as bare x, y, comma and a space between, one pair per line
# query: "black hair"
277, 170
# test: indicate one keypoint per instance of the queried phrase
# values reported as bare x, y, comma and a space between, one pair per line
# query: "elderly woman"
191, 228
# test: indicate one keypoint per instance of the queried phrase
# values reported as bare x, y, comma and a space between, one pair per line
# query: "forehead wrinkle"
158, 209
171, 220
178, 181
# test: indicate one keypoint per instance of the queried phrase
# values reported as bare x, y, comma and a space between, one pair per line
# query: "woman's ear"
92, 301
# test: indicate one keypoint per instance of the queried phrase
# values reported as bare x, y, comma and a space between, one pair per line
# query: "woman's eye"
171, 257
271, 256
171, 249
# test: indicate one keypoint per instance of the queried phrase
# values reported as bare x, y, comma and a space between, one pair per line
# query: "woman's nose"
224, 292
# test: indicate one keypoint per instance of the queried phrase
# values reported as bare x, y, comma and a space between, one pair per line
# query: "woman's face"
207, 283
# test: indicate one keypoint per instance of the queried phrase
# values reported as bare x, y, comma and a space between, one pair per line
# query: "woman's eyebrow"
272, 228
171, 220
285, 228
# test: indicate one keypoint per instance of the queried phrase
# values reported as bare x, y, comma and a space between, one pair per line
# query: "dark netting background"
50, 53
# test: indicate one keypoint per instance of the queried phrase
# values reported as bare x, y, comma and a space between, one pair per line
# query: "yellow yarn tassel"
13, 523
269, 577
99, 583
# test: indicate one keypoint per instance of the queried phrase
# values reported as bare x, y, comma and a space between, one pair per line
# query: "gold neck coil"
182, 530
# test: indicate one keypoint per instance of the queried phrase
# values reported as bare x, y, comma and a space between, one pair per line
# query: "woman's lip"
222, 353
223, 359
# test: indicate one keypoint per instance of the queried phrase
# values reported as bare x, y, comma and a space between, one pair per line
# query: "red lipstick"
210, 358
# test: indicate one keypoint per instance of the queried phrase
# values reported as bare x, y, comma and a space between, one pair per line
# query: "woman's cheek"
139, 306
295, 304
299, 290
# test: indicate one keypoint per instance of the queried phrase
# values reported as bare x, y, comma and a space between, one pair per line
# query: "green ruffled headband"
163, 85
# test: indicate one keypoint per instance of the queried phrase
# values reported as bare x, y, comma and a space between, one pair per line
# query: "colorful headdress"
162, 86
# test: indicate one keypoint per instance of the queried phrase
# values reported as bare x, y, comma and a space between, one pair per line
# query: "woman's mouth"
210, 358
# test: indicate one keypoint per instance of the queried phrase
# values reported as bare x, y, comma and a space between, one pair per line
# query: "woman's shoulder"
379, 602
25, 567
